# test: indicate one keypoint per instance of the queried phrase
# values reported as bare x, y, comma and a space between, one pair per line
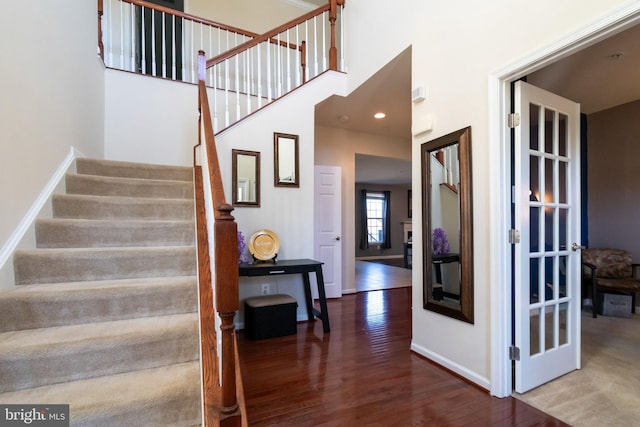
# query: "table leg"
323, 300
307, 295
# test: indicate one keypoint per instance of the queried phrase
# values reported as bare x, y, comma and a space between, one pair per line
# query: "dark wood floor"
362, 373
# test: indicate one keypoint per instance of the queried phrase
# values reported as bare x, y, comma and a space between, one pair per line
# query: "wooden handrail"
209, 359
219, 402
191, 17
269, 35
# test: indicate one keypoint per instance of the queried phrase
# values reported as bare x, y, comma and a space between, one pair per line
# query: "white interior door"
328, 227
547, 215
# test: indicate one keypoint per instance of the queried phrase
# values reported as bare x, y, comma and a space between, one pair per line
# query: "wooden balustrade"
247, 71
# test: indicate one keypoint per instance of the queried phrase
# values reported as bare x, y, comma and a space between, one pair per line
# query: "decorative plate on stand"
264, 245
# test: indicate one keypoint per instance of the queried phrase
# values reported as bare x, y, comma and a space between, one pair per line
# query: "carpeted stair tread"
37, 357
105, 207
67, 303
127, 187
81, 233
81, 264
163, 396
116, 168
104, 316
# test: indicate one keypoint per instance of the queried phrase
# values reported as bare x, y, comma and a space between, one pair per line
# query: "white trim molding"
20, 231
452, 366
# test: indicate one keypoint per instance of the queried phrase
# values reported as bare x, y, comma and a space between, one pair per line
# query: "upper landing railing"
247, 71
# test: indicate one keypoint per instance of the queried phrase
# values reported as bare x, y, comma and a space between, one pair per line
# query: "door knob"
337, 237
575, 247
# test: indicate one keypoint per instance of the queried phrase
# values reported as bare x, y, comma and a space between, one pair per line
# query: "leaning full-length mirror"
245, 178
447, 225
285, 155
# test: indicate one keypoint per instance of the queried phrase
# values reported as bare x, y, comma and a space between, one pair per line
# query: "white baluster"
288, 52
268, 47
132, 49
143, 42
226, 93
306, 51
110, 37
343, 66
153, 43
325, 18
173, 47
247, 71
164, 46
183, 53
315, 44
297, 56
121, 36
279, 73
216, 83
259, 66
237, 86
193, 80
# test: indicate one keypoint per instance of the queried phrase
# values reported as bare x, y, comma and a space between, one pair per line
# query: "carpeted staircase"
104, 314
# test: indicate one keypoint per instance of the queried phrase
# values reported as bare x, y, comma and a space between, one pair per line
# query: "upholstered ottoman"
270, 316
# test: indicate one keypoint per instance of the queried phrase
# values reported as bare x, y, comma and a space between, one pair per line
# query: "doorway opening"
608, 26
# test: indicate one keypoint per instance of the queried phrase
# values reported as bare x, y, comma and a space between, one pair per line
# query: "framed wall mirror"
285, 160
245, 167
447, 225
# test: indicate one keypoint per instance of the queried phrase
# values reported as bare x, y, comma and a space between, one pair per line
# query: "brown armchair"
610, 270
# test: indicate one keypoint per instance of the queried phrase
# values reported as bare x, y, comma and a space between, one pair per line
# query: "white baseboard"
10, 246
452, 366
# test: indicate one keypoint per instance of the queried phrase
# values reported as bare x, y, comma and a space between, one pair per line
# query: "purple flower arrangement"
439, 242
242, 254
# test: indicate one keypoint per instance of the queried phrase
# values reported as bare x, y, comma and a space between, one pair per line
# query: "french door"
547, 216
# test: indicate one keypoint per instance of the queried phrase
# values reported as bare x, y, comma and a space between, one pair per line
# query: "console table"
295, 266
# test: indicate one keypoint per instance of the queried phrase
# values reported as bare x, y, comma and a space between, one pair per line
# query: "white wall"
286, 211
149, 120
456, 46
51, 98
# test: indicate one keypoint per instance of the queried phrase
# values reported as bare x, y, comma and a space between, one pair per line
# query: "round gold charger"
264, 245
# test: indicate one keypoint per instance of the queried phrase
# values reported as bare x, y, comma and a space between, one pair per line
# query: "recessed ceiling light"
344, 117
616, 56
379, 115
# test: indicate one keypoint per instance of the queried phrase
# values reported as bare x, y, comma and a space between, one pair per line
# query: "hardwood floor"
362, 373
372, 276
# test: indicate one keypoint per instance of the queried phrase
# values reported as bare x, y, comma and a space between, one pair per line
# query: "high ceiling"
599, 77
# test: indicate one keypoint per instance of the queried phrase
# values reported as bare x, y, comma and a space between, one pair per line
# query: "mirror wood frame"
277, 137
465, 310
234, 177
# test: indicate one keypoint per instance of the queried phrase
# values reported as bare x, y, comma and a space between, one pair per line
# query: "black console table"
295, 266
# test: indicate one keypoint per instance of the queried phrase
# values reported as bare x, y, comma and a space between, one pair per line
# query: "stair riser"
165, 396
88, 234
70, 265
58, 363
122, 187
95, 207
133, 170
32, 310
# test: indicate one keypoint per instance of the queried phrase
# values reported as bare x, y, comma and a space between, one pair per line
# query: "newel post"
226, 262
333, 50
